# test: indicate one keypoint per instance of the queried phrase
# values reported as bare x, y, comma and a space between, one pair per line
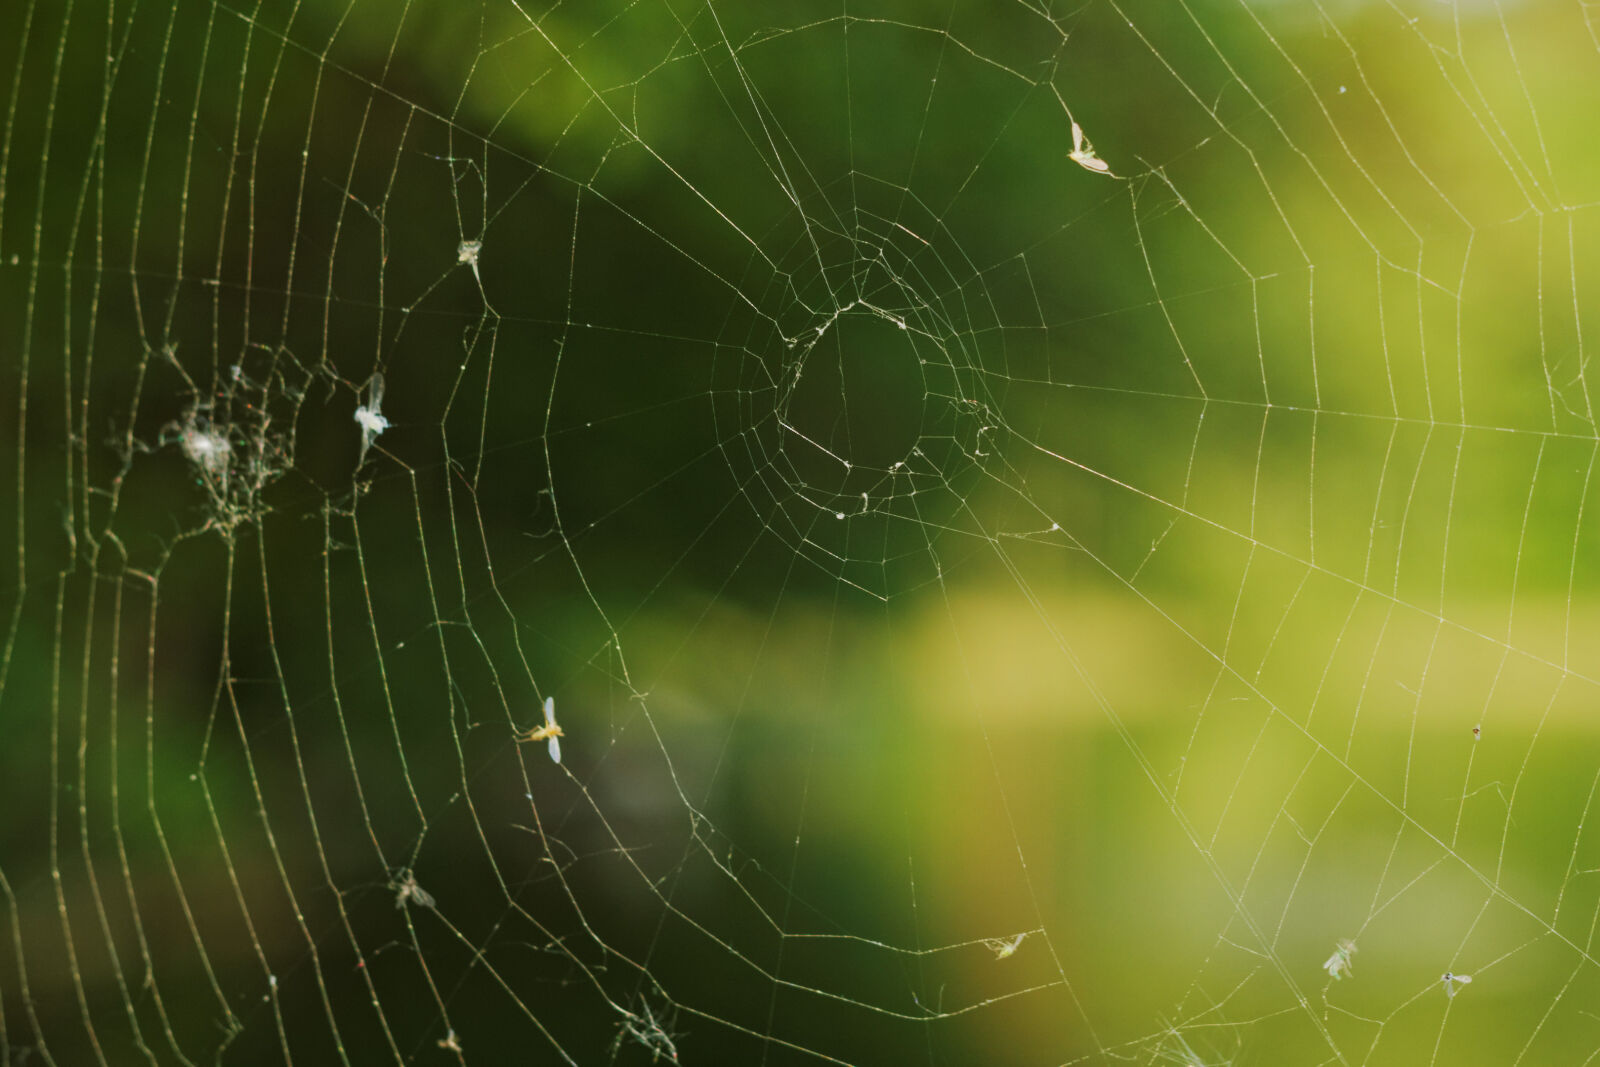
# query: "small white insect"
1451, 981
1002, 948
406, 889
1338, 964
1083, 153
370, 415
467, 252
548, 732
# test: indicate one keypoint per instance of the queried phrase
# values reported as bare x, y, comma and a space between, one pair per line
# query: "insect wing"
549, 711
555, 750
375, 393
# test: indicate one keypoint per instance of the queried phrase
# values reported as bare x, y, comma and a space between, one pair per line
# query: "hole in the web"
858, 400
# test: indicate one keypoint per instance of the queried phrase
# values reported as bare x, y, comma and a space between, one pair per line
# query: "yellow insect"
1002, 948
548, 732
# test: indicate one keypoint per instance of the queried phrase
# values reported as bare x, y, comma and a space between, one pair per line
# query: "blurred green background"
928, 541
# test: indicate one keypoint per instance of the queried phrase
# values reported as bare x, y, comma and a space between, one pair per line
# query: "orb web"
1052, 535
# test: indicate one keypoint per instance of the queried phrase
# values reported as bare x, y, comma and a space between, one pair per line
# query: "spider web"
1042, 525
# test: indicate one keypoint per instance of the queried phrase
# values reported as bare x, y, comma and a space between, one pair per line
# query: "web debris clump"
231, 436
205, 448
650, 1030
1173, 1045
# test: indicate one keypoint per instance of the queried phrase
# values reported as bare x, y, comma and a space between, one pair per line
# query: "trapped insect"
370, 416
467, 252
406, 889
1338, 964
1083, 153
548, 732
1452, 981
1002, 948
